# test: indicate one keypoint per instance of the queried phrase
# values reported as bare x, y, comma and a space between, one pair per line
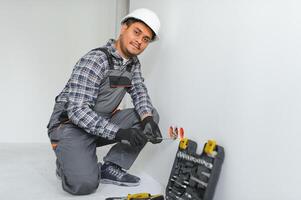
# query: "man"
85, 114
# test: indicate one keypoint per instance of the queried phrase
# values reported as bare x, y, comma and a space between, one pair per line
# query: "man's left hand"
151, 129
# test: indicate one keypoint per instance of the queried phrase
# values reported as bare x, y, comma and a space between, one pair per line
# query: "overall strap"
109, 57
129, 68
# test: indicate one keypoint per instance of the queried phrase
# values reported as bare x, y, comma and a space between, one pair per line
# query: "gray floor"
27, 172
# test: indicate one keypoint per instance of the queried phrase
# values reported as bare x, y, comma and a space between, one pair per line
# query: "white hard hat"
148, 17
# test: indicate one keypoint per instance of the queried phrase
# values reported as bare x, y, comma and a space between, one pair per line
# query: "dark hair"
132, 20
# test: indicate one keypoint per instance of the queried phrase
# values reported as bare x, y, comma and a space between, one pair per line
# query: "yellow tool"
183, 143
138, 196
210, 147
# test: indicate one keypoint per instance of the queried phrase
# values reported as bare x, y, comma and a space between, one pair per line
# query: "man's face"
134, 39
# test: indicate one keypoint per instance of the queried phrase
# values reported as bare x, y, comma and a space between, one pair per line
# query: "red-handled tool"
174, 133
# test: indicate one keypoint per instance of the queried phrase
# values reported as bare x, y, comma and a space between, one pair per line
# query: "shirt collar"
111, 47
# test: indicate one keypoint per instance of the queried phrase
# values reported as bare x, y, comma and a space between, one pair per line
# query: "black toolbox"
193, 176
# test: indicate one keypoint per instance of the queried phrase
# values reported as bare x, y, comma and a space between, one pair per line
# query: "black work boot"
114, 174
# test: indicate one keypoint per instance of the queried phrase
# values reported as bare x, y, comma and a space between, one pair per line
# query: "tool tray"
193, 176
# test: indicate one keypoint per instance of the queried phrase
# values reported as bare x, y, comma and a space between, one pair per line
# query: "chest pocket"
120, 79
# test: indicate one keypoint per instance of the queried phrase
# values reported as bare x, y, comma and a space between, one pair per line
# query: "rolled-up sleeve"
84, 85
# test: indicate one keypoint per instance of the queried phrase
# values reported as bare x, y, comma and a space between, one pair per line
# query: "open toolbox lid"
194, 176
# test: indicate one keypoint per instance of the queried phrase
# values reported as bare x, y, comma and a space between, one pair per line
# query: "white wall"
230, 70
40, 41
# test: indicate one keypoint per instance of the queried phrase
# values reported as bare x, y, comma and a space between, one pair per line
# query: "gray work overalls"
75, 149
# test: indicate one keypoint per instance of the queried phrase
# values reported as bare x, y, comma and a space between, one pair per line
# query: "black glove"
151, 129
134, 136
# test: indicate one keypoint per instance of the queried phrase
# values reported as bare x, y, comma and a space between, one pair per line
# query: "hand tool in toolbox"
138, 196
193, 176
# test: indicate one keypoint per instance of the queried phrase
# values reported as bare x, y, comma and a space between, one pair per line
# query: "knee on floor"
81, 185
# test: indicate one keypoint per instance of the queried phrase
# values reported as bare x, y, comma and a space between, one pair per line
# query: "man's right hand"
134, 136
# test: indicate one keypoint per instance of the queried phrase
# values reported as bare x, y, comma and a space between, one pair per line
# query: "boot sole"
107, 181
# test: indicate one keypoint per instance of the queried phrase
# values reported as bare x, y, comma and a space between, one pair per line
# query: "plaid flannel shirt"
82, 88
